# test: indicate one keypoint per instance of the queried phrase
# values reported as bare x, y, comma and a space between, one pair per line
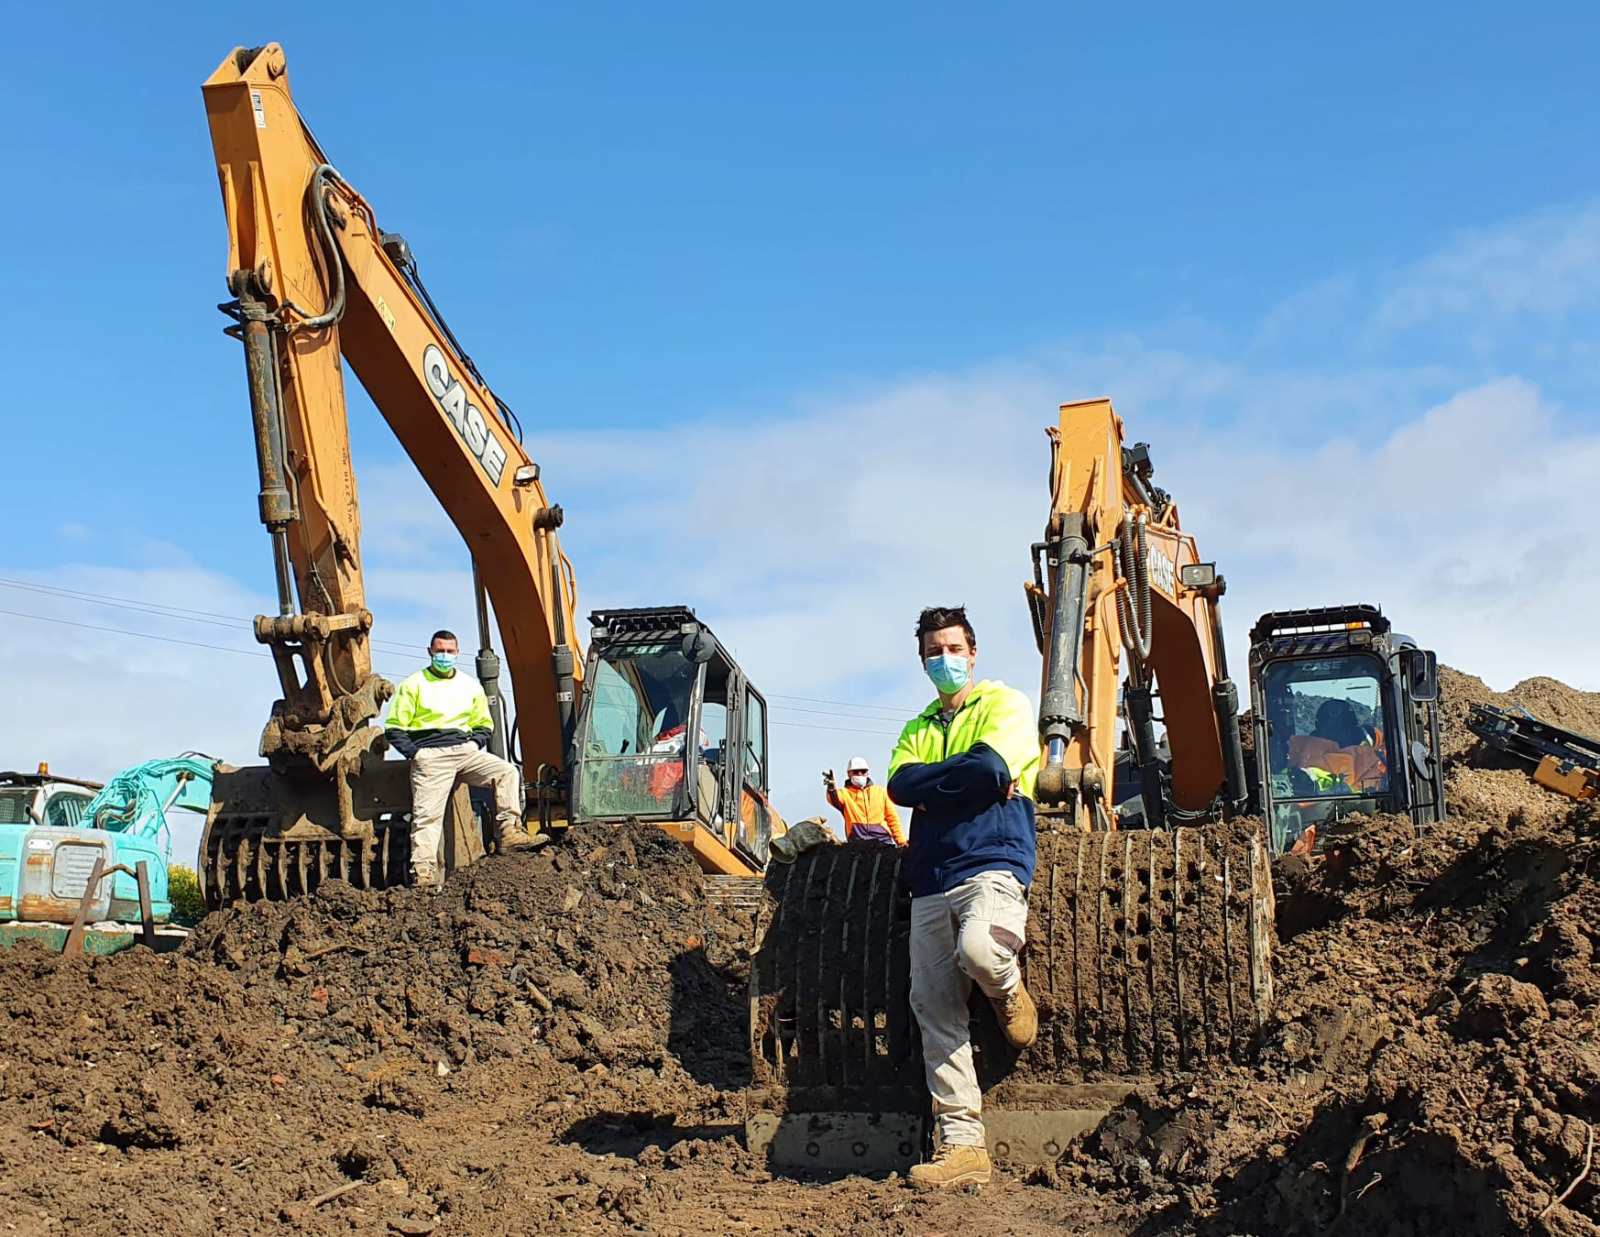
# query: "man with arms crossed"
440, 722
966, 766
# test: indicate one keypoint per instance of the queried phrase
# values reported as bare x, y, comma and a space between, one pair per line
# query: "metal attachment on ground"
147, 925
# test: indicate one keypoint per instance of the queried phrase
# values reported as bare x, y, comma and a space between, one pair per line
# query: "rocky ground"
557, 1044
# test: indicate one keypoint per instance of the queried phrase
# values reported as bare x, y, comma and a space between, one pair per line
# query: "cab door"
755, 816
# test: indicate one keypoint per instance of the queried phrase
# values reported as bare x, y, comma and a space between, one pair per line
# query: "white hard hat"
857, 762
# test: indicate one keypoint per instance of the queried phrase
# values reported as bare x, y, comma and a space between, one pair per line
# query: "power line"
223, 648
146, 635
863, 717
886, 734
162, 610
235, 622
854, 704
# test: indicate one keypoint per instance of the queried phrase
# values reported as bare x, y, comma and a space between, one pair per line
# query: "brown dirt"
1432, 1063
484, 1062
499, 1060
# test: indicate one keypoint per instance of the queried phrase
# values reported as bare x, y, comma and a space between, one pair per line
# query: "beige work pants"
434, 773
971, 934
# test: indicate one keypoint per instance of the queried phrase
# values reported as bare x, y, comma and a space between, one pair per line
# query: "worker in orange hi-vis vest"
869, 816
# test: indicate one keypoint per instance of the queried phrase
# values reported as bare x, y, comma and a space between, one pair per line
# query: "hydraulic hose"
1134, 615
318, 204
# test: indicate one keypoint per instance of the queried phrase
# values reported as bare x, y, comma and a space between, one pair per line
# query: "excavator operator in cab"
868, 812
1340, 755
440, 722
965, 766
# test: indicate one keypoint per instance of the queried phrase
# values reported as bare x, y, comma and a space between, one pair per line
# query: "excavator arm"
314, 280
1117, 577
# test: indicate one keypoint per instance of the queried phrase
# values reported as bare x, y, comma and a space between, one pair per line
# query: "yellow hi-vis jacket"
430, 710
957, 775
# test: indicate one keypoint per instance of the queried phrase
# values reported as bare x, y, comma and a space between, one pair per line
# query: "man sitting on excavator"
966, 766
440, 722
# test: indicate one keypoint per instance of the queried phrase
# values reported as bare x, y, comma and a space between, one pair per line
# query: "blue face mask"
444, 663
948, 672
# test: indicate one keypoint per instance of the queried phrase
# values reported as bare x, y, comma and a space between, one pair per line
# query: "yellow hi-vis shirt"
425, 701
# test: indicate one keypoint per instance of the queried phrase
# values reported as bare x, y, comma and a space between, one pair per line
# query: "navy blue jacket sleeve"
401, 741
972, 781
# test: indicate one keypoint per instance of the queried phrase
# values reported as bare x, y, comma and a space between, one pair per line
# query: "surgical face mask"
948, 672
858, 780
444, 663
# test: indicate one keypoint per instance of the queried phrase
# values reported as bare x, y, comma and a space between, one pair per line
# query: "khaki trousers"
973, 933
434, 773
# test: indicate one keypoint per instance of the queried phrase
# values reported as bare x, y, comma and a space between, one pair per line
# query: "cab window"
755, 741
65, 809
1325, 720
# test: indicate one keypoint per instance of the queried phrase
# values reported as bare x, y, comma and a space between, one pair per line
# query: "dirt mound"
1546, 699
583, 996
558, 1043
1431, 1064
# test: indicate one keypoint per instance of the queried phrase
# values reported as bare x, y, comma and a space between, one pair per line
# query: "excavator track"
271, 837
1148, 953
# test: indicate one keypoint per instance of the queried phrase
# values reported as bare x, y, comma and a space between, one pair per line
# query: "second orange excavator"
1150, 921
1149, 949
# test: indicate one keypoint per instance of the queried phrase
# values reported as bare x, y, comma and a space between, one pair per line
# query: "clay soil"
557, 1044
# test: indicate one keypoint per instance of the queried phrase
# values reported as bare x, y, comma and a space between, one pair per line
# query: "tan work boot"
427, 878
515, 837
954, 1164
1018, 1017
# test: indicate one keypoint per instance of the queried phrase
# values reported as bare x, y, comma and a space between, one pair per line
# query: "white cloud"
809, 536
1546, 265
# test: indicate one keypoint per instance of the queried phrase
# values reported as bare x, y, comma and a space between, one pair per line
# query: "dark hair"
443, 635
937, 618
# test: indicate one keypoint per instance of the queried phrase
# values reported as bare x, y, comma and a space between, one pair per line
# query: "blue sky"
784, 299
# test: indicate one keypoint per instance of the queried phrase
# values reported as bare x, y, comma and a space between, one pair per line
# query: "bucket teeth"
244, 864
270, 837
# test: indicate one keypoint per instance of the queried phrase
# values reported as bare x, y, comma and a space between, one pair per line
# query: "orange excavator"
1149, 946
657, 724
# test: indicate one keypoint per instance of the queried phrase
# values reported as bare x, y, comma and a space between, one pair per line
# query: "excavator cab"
1346, 725
671, 732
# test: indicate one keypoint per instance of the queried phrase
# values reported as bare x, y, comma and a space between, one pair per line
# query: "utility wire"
900, 711
860, 710
887, 734
162, 610
146, 635
385, 671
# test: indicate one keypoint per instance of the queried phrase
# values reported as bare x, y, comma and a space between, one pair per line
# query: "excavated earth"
557, 1044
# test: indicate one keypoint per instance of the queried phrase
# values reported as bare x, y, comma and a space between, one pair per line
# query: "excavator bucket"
273, 836
1148, 954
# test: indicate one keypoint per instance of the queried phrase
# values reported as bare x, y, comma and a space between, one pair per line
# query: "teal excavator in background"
54, 830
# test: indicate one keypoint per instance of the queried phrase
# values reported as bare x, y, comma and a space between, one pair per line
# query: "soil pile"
1432, 1063
558, 1043
1546, 699
580, 995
